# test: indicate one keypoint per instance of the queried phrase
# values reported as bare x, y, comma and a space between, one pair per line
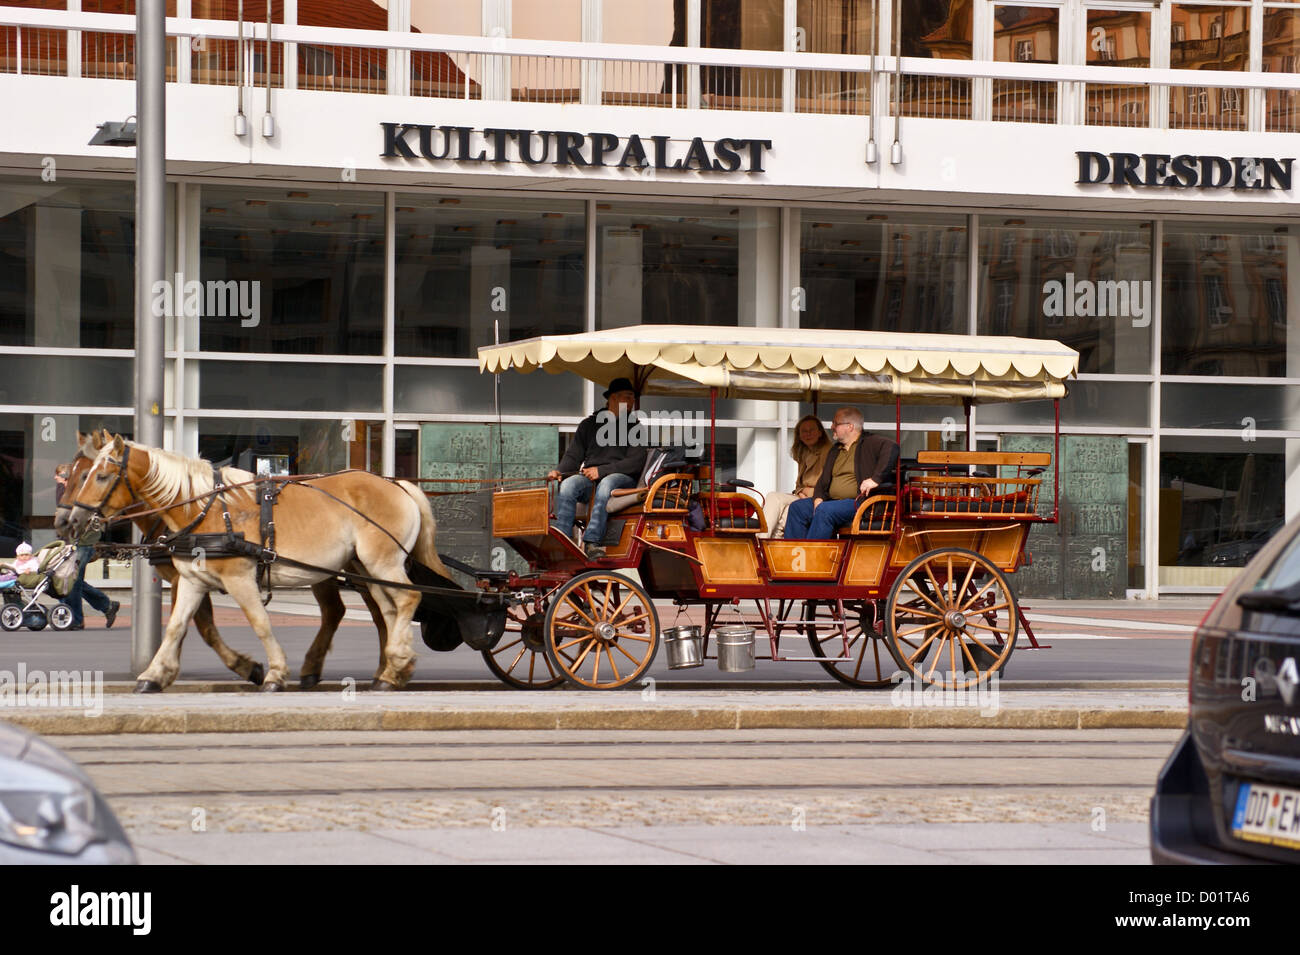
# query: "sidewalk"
1122, 843
1142, 705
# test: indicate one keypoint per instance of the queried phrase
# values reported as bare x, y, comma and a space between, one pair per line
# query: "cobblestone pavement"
171, 793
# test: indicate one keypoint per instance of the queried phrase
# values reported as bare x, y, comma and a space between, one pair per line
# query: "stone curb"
177, 720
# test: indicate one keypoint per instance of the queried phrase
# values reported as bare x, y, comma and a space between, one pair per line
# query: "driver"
603, 461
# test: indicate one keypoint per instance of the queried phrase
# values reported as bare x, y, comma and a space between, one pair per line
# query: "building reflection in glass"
897, 273
1281, 55
1025, 35
1081, 282
1225, 300
834, 26
941, 30
1202, 37
1118, 38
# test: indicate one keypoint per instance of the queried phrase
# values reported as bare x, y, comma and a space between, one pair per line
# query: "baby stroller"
22, 592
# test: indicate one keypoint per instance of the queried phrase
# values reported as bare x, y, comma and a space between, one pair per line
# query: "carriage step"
815, 660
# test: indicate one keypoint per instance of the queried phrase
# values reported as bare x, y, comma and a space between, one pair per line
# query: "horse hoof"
256, 674
308, 681
272, 687
148, 686
381, 686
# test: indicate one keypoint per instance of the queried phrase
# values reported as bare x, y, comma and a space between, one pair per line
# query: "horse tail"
425, 550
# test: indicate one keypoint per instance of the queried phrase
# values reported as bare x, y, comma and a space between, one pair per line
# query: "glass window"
288, 386
1219, 505
1090, 404
1118, 38
67, 381
833, 26
737, 25
350, 69
1224, 303
652, 22
1281, 54
547, 19
112, 55
464, 18
466, 265
898, 273
216, 61
1205, 37
1243, 408
456, 389
67, 265
311, 263
1084, 283
666, 265
1025, 35
302, 446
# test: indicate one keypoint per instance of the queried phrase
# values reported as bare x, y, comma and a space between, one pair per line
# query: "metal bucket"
735, 649
685, 646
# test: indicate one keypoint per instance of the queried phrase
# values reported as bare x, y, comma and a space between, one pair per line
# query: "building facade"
414, 179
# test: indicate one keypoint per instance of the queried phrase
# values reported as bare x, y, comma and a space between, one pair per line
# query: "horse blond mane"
173, 477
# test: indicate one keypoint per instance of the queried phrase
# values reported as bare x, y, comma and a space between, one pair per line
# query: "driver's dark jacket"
585, 452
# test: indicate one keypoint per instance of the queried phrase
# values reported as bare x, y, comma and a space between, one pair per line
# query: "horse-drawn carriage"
916, 581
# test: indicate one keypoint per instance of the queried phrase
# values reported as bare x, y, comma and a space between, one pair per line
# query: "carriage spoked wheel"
519, 660
951, 619
863, 660
601, 630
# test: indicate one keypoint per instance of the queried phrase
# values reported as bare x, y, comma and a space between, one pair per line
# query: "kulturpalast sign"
1158, 170
565, 148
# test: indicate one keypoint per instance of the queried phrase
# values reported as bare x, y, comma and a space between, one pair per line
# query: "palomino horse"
326, 592
329, 522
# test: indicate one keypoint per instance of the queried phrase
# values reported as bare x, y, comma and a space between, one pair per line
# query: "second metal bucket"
735, 649
685, 646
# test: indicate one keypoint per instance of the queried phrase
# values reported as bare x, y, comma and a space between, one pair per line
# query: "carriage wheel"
601, 630
869, 663
951, 619
518, 660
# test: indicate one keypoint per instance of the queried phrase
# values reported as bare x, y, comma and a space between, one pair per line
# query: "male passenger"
857, 464
603, 462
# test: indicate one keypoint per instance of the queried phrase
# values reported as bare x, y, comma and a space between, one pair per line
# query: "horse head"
107, 486
88, 446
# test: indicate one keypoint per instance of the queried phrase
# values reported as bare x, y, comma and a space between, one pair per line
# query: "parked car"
50, 811
1230, 792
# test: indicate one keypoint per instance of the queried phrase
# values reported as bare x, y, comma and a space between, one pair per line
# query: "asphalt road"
355, 654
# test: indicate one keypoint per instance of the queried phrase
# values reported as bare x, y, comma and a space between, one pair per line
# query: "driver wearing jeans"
603, 465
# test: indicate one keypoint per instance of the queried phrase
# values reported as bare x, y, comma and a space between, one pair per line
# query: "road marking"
1111, 624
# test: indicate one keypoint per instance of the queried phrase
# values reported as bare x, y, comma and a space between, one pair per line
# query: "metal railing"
36, 42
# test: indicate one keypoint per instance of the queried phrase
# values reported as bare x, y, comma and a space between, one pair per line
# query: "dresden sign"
1156, 170
565, 148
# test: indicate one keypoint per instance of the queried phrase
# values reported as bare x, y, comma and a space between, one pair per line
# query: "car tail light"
1191, 662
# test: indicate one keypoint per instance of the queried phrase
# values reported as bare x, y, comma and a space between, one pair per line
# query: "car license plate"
1267, 814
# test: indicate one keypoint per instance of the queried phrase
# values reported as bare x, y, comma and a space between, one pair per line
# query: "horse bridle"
120, 478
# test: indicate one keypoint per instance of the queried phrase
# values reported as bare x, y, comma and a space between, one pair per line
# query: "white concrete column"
592, 70
761, 303
1292, 505
620, 266
399, 61
496, 67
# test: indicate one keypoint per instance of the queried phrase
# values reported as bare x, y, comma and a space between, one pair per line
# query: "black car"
1230, 792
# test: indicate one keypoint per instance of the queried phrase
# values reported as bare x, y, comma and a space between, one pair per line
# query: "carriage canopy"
800, 364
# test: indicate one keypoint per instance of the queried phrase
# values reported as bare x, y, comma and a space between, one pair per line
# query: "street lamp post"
150, 267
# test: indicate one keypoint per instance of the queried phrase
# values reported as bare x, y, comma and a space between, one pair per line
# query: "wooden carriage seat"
874, 517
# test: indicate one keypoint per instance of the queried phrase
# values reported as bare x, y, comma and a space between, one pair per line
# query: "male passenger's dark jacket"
874, 457
609, 458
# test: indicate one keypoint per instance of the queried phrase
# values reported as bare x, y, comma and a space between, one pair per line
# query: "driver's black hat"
619, 384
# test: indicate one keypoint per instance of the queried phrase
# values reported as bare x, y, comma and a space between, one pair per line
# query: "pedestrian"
93, 595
